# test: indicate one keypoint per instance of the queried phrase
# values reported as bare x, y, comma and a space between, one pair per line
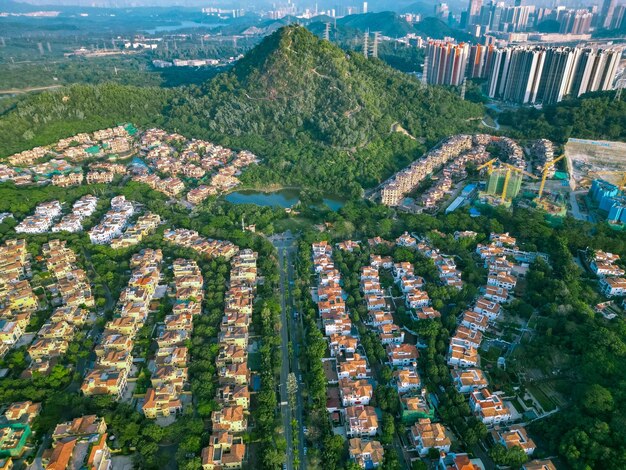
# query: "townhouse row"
114, 359
169, 370
113, 222
134, 234
72, 291
81, 209
454, 170
226, 447
17, 299
42, 219
80, 146
349, 402
463, 355
455, 152
204, 246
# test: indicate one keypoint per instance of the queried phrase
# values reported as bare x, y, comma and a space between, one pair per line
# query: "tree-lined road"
286, 248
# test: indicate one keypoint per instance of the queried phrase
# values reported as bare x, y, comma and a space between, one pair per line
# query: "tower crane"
512, 169
488, 165
509, 169
544, 174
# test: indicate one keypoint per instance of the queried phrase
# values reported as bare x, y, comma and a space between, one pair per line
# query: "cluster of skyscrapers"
524, 74
496, 16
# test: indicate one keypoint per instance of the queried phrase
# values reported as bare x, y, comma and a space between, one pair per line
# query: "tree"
597, 399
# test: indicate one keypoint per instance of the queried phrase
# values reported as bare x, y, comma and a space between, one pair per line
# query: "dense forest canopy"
593, 116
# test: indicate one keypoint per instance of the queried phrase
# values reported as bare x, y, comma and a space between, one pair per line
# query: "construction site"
534, 176
595, 159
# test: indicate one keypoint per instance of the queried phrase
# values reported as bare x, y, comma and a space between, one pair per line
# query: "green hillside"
387, 22
44, 118
322, 116
319, 116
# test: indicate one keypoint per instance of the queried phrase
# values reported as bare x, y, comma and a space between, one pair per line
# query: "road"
20, 91
285, 245
575, 207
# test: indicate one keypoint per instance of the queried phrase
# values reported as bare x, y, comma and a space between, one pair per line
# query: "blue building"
617, 210
603, 193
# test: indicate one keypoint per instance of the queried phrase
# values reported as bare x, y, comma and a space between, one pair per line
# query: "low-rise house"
416, 298
496, 294
24, 411
489, 308
488, 407
355, 392
375, 302
406, 240
502, 239
469, 380
161, 401
225, 451
342, 344
426, 435
416, 406
461, 356
545, 464
234, 373
407, 380
57, 330
475, 320
468, 337
230, 419
390, 333
514, 436
355, 368
613, 286
164, 375
13, 439
378, 318
425, 313
501, 279
172, 356
10, 332
402, 355
233, 395
452, 461
46, 348
361, 421
115, 360
105, 382
367, 454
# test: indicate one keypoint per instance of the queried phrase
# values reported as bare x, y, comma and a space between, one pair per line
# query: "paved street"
285, 245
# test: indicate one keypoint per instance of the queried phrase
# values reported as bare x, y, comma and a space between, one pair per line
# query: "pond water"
284, 198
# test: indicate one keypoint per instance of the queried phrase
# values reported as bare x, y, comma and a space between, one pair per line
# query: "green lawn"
546, 403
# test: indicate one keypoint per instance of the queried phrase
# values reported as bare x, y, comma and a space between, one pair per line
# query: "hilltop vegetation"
593, 116
318, 116
44, 118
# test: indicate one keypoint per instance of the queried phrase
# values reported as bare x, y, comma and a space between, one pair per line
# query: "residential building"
361, 421
488, 407
367, 454
426, 435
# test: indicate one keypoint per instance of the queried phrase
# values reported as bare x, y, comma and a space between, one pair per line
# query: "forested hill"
321, 114
317, 115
